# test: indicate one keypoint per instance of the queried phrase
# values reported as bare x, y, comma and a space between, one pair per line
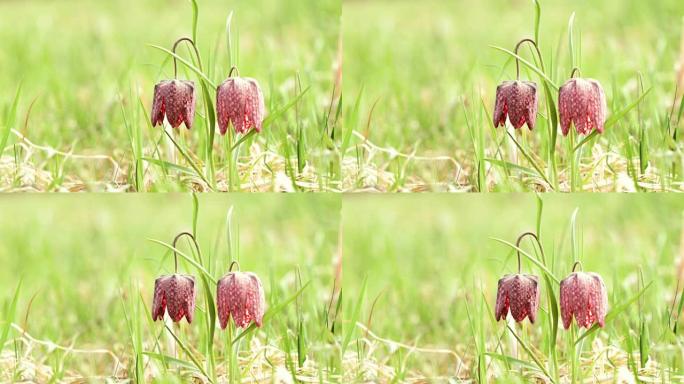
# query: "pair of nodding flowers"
239, 101
239, 295
581, 102
583, 295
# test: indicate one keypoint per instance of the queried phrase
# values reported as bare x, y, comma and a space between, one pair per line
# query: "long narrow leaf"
532, 259
9, 121
614, 313
271, 312
187, 258
186, 63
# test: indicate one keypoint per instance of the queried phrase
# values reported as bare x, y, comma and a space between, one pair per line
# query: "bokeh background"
428, 75
83, 63
431, 260
84, 259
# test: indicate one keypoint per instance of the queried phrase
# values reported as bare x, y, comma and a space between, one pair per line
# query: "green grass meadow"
410, 109
412, 300
87, 71
433, 265
87, 266
361, 96
428, 76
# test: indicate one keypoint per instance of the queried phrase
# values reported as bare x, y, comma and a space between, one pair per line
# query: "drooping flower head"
174, 294
583, 295
516, 100
174, 99
239, 101
240, 295
518, 293
582, 103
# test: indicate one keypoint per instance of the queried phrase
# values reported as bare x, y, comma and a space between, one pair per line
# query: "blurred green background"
78, 59
430, 260
428, 76
80, 255
425, 58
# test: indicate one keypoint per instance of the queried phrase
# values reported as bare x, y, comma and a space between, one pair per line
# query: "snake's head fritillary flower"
240, 295
174, 294
582, 102
584, 296
174, 99
239, 101
516, 100
520, 294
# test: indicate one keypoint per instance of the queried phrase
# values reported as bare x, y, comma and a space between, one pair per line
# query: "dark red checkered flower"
516, 100
239, 101
520, 294
584, 296
582, 102
174, 99
174, 294
240, 295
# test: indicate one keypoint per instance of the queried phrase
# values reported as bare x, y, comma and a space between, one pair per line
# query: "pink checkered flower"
584, 296
239, 101
582, 102
516, 100
240, 295
174, 99
174, 294
520, 294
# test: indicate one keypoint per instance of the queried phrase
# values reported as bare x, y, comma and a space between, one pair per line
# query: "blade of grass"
166, 358
167, 164
189, 353
189, 160
531, 354
186, 63
614, 313
528, 64
355, 316
512, 360
529, 158
187, 258
530, 257
9, 316
613, 119
9, 121
508, 164
271, 313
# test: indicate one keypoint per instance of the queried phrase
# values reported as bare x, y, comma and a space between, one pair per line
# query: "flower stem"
232, 264
576, 264
517, 61
577, 71
175, 63
194, 241
536, 239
